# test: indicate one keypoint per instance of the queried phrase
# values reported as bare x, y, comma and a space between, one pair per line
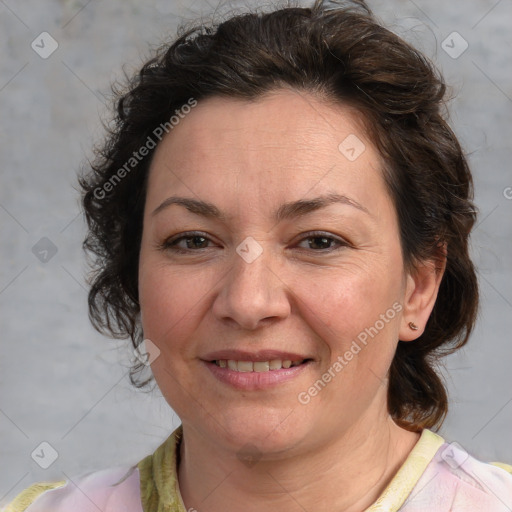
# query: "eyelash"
170, 243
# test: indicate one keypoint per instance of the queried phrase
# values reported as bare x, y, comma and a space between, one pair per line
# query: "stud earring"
413, 326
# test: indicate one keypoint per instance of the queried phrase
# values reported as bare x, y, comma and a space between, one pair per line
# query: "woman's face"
296, 257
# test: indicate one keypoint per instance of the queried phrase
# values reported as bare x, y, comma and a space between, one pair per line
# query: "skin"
301, 294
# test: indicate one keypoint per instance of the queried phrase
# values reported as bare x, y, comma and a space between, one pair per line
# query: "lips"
256, 380
256, 370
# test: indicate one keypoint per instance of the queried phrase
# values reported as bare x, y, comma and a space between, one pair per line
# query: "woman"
280, 222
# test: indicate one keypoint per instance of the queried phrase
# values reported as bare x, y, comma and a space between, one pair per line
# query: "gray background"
63, 383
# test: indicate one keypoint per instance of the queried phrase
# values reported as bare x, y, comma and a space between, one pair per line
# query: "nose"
252, 294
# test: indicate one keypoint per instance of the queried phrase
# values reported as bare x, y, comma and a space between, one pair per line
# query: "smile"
256, 375
257, 366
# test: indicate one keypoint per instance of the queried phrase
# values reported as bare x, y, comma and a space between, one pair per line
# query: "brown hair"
340, 53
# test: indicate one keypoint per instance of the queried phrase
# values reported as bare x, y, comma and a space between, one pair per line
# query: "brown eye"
323, 242
186, 242
194, 242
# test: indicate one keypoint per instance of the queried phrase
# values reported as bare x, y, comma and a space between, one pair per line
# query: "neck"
346, 474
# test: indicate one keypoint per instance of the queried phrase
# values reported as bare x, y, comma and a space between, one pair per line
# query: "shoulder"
108, 490
456, 481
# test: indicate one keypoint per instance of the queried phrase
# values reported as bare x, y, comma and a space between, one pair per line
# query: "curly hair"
341, 53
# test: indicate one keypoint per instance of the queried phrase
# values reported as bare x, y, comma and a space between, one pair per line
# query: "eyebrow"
289, 210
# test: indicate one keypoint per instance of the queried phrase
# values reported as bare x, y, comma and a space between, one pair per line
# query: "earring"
413, 326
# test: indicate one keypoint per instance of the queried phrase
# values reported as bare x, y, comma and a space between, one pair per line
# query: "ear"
421, 289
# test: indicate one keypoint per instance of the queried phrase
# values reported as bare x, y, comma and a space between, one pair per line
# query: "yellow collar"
159, 490
397, 491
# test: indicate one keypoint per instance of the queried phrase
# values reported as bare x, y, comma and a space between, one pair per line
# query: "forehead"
284, 143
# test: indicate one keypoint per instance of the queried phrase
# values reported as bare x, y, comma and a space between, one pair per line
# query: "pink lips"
251, 381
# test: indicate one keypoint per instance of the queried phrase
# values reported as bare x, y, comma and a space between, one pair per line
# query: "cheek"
171, 309
349, 301
171, 299
347, 307
357, 319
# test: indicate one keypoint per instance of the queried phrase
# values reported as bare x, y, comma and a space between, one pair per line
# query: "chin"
266, 431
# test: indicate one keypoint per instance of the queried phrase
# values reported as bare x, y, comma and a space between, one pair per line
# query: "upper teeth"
258, 366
